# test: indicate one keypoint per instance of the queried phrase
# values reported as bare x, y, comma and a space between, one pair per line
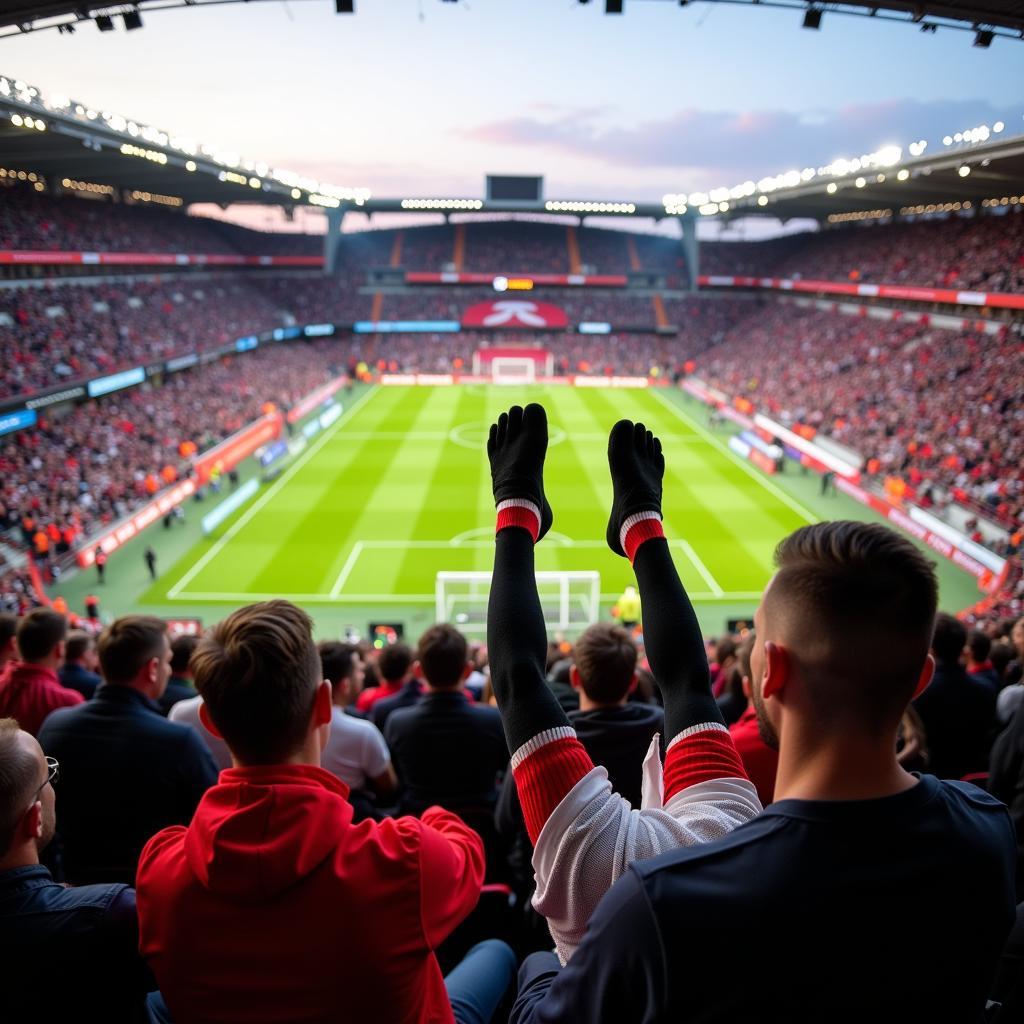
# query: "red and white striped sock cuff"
636, 529
519, 512
698, 754
545, 769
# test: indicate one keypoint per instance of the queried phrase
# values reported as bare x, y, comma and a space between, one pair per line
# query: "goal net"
570, 600
512, 365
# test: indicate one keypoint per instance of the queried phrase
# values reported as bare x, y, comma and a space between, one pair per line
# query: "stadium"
243, 410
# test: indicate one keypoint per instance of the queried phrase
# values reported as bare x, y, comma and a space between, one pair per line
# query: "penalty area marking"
467, 539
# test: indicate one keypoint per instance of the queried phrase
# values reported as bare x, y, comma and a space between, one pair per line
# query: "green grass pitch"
356, 529
399, 490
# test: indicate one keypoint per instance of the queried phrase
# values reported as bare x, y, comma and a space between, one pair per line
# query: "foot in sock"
637, 467
516, 447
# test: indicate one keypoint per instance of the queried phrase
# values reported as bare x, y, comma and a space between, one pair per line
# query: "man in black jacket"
67, 953
958, 712
129, 772
446, 750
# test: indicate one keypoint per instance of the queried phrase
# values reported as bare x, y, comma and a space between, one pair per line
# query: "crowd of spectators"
976, 253
939, 409
71, 475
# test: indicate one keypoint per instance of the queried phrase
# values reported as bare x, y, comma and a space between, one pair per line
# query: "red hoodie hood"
261, 830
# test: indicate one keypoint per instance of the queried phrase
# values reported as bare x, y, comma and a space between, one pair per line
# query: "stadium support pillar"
332, 239
691, 248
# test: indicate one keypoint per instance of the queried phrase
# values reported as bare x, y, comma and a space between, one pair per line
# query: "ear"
204, 717
33, 821
417, 670
746, 684
345, 688
322, 704
633, 684
574, 677
777, 670
927, 671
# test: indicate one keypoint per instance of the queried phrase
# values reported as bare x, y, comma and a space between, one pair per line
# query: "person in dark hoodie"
272, 904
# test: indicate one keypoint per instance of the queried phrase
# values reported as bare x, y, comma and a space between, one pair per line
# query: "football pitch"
397, 490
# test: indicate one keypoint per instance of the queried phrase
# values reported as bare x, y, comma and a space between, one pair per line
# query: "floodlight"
132, 20
983, 39
104, 22
812, 18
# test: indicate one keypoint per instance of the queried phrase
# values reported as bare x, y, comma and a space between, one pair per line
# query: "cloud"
727, 146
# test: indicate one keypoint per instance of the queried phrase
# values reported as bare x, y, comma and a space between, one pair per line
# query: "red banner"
231, 452
521, 280
165, 259
515, 313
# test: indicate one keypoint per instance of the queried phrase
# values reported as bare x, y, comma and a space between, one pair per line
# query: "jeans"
478, 984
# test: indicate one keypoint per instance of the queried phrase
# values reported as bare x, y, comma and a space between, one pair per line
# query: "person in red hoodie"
272, 904
30, 689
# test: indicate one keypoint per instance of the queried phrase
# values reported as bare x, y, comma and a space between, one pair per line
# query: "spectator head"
80, 649
979, 646
395, 663
1001, 655
843, 632
605, 666
8, 638
27, 816
949, 639
182, 648
342, 666
263, 693
725, 653
135, 652
41, 636
442, 657
1017, 638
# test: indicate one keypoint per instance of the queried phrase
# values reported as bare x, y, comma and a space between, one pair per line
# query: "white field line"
705, 573
747, 468
267, 495
228, 597
350, 564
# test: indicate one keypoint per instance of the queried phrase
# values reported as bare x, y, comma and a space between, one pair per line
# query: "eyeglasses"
52, 774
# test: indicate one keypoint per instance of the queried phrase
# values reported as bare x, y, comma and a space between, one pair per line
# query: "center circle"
474, 435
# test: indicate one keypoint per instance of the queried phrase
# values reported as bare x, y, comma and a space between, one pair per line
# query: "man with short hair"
979, 664
85, 939
843, 633
958, 712
30, 688
446, 750
397, 667
79, 669
129, 772
355, 752
394, 666
179, 686
271, 905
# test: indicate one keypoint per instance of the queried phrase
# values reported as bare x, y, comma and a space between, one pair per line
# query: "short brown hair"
337, 660
443, 655
127, 644
605, 658
258, 673
77, 643
394, 661
19, 775
8, 627
855, 604
39, 632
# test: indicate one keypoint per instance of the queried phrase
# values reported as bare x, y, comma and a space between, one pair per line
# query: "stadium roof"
1005, 17
69, 143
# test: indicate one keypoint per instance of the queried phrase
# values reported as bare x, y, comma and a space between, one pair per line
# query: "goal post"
519, 365
570, 600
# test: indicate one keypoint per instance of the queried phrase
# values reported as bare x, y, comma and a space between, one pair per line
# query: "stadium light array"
442, 204
147, 136
576, 206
